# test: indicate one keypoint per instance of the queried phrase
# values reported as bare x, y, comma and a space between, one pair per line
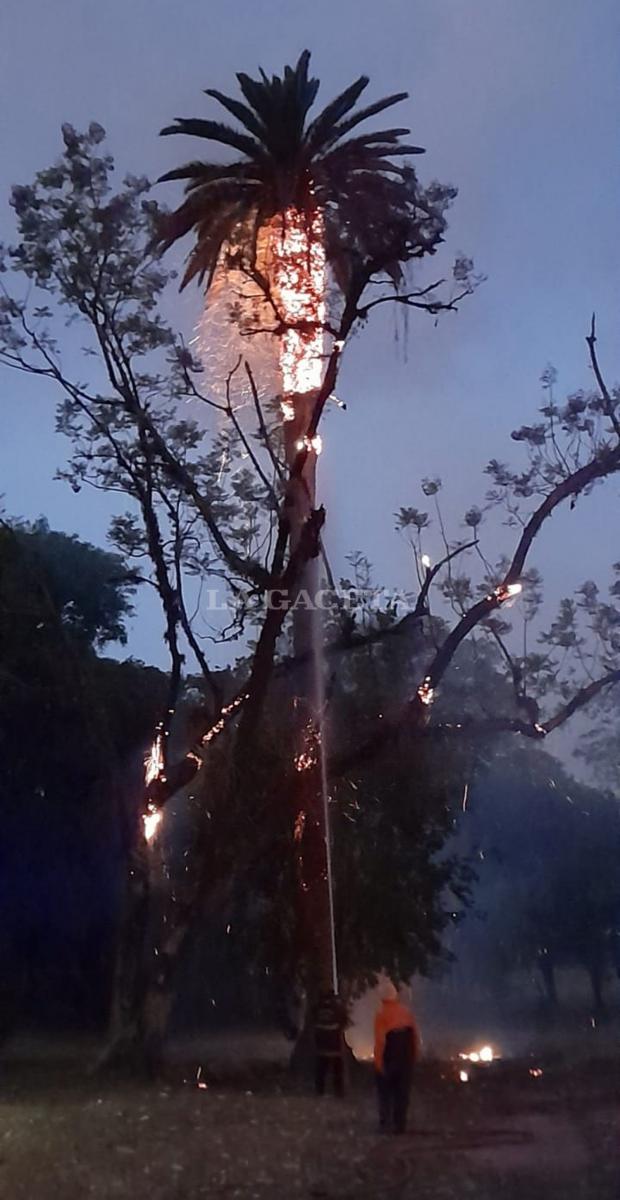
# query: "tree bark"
123, 1050
309, 815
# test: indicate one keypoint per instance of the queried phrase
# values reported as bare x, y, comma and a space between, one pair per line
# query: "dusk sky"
517, 103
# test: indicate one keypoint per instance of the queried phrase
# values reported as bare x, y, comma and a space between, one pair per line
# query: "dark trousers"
393, 1091
326, 1064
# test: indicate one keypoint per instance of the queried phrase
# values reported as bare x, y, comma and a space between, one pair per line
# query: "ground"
506, 1134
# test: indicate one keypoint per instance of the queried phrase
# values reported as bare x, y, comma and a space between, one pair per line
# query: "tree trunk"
123, 1048
127, 1047
309, 803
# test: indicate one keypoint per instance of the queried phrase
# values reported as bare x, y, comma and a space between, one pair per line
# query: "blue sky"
517, 104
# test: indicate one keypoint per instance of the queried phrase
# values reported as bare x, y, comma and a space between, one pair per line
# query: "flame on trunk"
154, 761
151, 821
153, 770
296, 269
271, 310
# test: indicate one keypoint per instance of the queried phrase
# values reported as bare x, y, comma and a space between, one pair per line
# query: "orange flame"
154, 761
151, 821
298, 275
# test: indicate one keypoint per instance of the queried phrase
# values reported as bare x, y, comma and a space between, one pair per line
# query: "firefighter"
330, 1022
397, 1047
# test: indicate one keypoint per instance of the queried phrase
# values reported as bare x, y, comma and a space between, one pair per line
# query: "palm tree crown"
375, 215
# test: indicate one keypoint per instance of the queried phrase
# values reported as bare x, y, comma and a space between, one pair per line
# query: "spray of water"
318, 664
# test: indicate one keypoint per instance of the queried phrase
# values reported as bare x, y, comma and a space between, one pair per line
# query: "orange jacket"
393, 1015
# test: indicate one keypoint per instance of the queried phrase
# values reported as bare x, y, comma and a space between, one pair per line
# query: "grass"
251, 1136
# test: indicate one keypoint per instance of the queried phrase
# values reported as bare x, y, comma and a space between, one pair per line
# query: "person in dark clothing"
396, 1050
330, 1022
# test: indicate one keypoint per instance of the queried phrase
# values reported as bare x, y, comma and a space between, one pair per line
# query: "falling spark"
536, 1072
464, 1076
465, 795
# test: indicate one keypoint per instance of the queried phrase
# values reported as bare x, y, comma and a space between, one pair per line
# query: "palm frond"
197, 170
320, 129
382, 135
363, 114
214, 131
257, 95
240, 111
211, 236
351, 150
372, 203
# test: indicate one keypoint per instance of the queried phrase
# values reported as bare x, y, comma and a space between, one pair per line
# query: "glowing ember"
464, 1076
151, 820
313, 444
505, 591
308, 757
221, 721
485, 1054
536, 1072
426, 691
304, 761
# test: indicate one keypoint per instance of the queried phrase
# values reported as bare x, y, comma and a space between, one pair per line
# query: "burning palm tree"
310, 213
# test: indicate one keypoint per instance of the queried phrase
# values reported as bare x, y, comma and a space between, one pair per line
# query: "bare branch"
417, 300
604, 390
